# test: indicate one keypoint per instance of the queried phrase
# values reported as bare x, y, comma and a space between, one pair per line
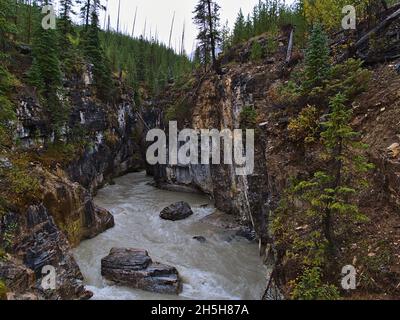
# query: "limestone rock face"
135, 268
38, 243
178, 211
40, 235
72, 207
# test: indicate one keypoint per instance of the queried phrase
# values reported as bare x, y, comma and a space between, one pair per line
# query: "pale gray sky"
158, 14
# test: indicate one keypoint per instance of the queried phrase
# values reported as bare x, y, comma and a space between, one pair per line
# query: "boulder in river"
135, 268
178, 211
200, 239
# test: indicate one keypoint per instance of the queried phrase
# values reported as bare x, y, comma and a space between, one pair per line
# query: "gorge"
77, 186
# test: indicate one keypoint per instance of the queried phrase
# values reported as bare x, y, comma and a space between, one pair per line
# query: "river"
224, 267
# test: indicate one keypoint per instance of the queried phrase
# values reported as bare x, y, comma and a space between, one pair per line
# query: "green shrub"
348, 78
18, 184
257, 52
288, 93
62, 153
272, 45
2, 254
3, 291
248, 118
309, 286
305, 126
179, 111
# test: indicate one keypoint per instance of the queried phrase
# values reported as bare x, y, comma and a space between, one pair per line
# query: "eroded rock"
394, 150
200, 239
178, 211
135, 268
38, 242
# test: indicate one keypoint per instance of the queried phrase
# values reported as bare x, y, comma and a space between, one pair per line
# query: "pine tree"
85, 11
239, 33
45, 74
207, 19
226, 37
7, 28
317, 215
95, 54
317, 61
325, 203
65, 25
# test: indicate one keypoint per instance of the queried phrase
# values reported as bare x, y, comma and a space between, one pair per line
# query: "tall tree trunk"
87, 14
29, 22
119, 11
212, 35
328, 218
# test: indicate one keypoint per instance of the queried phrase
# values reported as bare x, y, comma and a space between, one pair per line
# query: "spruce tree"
7, 28
65, 25
7, 25
316, 215
239, 28
45, 74
226, 38
85, 7
207, 19
317, 61
95, 55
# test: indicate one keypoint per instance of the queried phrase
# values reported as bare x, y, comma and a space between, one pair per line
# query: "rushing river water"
224, 267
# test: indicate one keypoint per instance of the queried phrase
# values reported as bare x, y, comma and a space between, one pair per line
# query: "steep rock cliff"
97, 143
217, 101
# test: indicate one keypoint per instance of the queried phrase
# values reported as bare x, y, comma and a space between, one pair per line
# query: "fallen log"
290, 47
384, 24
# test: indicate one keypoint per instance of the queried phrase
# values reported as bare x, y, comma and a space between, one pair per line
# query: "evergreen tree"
317, 61
65, 25
239, 33
85, 11
325, 203
7, 28
226, 38
45, 74
207, 19
95, 54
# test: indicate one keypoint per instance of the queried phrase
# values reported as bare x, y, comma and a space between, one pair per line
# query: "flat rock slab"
135, 268
178, 211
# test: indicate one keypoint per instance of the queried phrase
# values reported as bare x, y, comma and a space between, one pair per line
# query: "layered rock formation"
35, 241
135, 268
63, 214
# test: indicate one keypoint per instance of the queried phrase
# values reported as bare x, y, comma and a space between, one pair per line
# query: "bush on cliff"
248, 118
18, 184
257, 52
305, 126
3, 291
309, 286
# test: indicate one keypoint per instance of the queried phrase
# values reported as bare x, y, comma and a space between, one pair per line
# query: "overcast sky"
158, 17
158, 14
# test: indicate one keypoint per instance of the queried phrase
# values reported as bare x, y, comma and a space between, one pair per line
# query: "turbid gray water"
224, 267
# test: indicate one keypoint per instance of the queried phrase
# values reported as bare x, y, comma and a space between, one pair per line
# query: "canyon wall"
42, 232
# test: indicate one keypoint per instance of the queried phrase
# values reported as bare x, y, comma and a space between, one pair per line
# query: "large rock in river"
178, 211
134, 268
